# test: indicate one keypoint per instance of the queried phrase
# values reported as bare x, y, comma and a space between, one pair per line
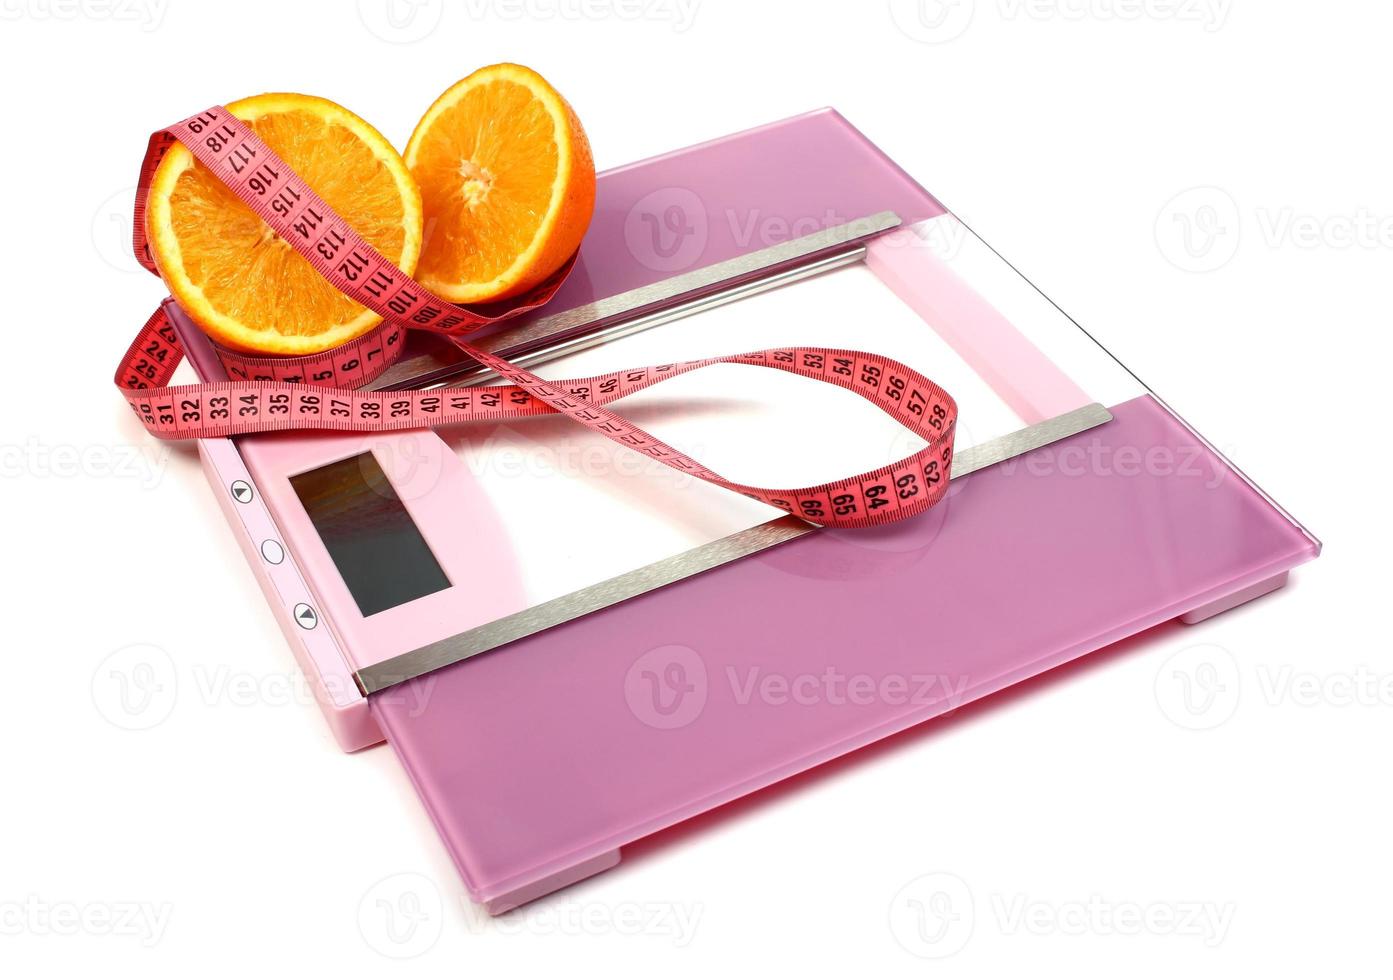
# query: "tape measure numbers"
319, 391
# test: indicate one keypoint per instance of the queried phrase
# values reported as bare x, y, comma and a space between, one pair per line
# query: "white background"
232, 837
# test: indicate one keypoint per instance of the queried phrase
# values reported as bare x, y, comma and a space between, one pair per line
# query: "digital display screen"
368, 533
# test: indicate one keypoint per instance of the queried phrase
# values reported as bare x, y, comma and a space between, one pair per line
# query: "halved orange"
508, 184
240, 281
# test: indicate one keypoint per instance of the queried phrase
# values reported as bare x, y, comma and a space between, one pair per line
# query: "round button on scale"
272, 551
241, 491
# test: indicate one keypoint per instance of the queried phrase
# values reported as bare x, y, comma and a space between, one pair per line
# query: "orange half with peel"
507, 181
237, 278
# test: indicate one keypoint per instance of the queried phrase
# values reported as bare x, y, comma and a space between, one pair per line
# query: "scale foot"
1225, 603
545, 886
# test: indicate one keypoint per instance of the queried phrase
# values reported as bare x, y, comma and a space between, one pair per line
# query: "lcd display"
368, 533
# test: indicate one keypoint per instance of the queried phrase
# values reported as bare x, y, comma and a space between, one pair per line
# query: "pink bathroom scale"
570, 647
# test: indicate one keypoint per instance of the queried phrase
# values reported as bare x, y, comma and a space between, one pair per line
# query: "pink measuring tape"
318, 391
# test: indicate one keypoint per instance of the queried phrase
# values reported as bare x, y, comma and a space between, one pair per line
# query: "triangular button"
306, 616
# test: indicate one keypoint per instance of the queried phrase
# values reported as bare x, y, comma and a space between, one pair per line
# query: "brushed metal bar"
1032, 437
785, 263
478, 374
741, 544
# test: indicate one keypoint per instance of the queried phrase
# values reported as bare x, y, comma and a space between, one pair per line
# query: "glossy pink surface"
538, 761
554, 751
709, 202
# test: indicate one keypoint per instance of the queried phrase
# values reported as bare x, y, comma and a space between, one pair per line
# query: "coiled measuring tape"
319, 391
